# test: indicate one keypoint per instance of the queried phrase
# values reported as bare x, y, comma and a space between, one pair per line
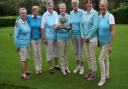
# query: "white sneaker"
64, 72
68, 71
76, 69
101, 83
81, 70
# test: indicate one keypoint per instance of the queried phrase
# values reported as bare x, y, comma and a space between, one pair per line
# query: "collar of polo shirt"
91, 11
105, 14
22, 21
77, 10
50, 13
33, 16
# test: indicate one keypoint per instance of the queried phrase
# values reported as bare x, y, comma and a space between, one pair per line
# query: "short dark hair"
92, 1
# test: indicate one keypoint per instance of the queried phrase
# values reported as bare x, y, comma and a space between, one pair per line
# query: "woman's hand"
110, 48
44, 41
86, 40
16, 23
17, 49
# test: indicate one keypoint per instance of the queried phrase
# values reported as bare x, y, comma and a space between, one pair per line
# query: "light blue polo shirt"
89, 24
48, 23
63, 34
75, 19
22, 34
104, 31
35, 25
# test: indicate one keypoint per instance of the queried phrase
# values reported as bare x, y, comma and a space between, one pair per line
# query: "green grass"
10, 73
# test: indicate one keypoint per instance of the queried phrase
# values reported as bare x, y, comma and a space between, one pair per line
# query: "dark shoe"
91, 77
57, 68
107, 78
87, 76
28, 72
51, 70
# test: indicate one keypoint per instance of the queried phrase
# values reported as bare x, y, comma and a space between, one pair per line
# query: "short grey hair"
76, 1
21, 9
106, 2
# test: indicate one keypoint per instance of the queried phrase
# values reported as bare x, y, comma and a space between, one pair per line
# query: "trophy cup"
62, 20
64, 23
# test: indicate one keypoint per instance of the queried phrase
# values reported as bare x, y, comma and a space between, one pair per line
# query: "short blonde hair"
35, 8
62, 5
21, 9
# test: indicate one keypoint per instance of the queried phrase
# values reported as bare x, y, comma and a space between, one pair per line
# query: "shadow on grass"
7, 86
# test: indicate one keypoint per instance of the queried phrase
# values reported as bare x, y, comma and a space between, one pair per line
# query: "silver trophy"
63, 21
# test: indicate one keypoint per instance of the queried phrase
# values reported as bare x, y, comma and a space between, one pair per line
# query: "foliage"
10, 8
121, 14
7, 21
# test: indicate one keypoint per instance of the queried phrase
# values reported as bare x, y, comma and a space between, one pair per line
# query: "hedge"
121, 15
7, 21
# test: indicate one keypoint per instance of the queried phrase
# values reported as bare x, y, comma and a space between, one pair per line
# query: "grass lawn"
10, 73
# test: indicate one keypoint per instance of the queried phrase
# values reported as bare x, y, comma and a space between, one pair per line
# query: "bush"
121, 14
7, 21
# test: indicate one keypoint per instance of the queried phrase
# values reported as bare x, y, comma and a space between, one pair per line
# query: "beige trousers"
104, 62
90, 49
63, 51
37, 52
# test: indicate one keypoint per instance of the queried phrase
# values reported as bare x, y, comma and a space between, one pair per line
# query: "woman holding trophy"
63, 35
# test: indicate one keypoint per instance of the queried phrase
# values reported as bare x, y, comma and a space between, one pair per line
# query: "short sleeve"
56, 19
111, 19
43, 21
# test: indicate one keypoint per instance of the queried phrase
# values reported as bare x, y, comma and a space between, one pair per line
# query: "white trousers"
37, 52
51, 50
104, 62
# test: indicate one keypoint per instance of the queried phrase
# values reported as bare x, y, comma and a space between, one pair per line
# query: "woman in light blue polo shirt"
49, 20
75, 18
22, 41
106, 33
34, 21
63, 35
89, 24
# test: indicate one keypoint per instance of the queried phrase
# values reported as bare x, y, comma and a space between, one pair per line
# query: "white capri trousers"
51, 49
104, 62
37, 52
90, 50
63, 49
78, 47
23, 54
55, 49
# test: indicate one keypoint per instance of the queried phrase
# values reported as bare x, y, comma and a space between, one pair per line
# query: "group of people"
84, 27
